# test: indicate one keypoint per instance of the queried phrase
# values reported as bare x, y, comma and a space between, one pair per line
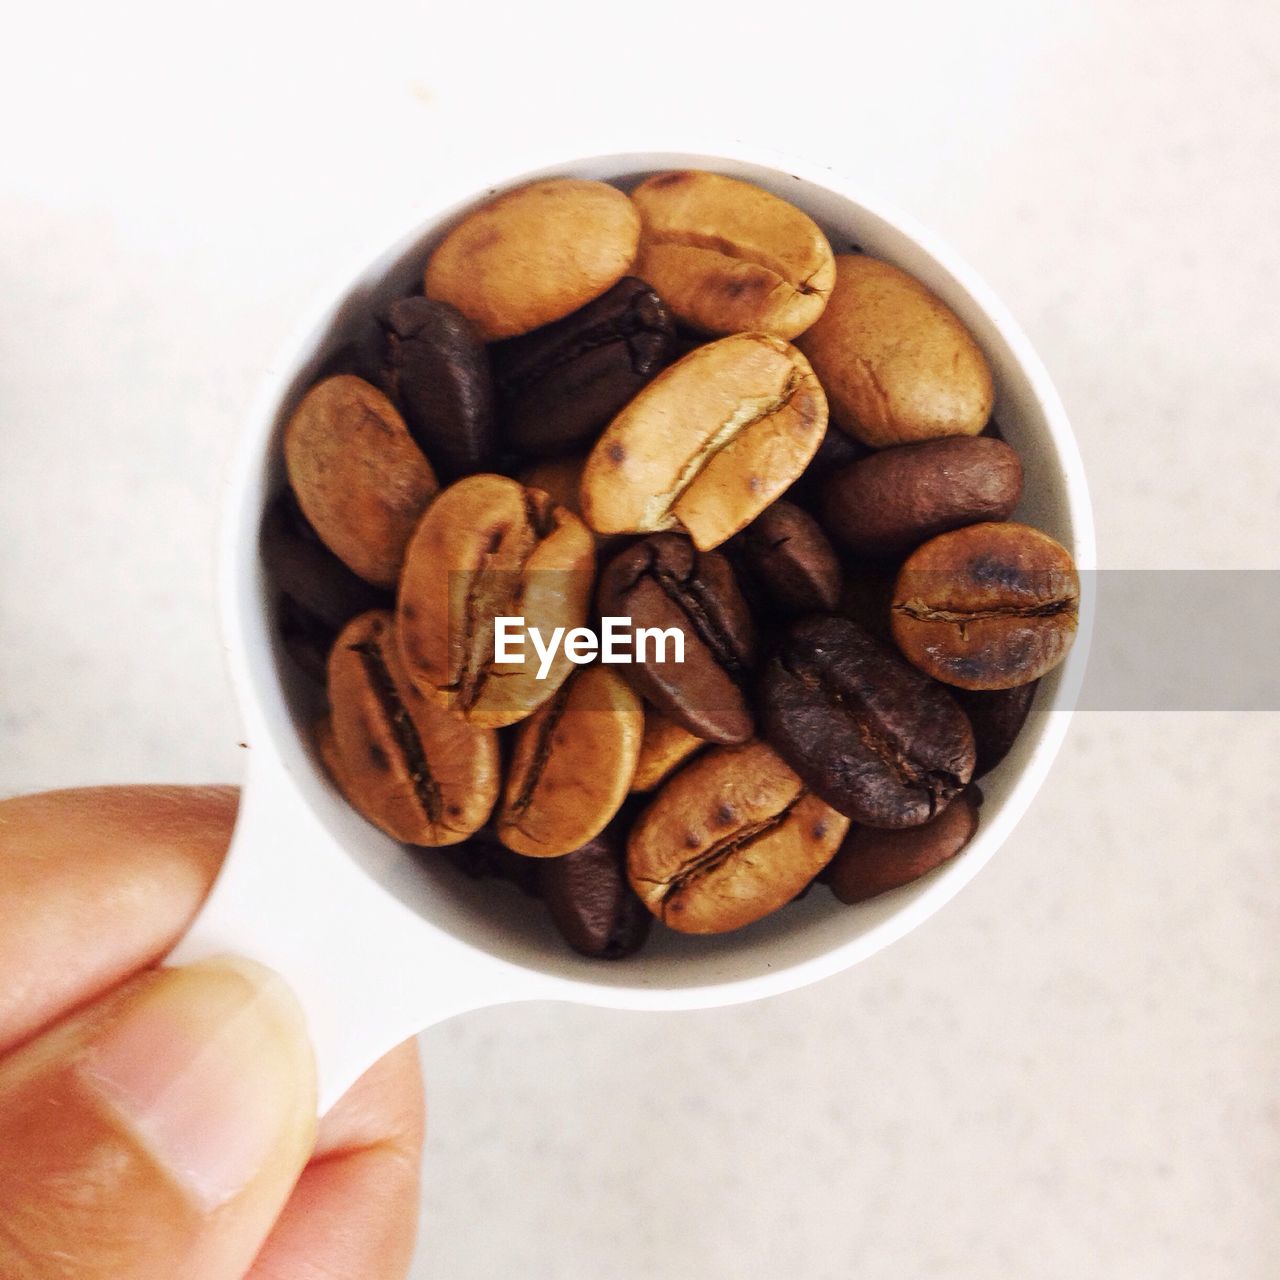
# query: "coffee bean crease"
750, 412
425, 788
542, 751
720, 851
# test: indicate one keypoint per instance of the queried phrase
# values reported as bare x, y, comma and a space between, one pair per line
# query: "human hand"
160, 1124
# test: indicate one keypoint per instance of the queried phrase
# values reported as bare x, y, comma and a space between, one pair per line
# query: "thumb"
157, 1133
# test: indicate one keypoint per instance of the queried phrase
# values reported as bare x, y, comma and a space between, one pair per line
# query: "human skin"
155, 1122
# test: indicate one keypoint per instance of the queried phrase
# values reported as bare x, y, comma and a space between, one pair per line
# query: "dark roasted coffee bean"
836, 450
306, 639
866, 731
898, 498
867, 595
410, 766
308, 573
361, 357
686, 340
989, 606
437, 370
872, 861
997, 716
591, 902
788, 561
733, 836
663, 582
559, 386
483, 857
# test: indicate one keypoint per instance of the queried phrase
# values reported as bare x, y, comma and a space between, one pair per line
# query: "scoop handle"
367, 971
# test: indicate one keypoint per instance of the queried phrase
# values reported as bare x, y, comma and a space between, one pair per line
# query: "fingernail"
205, 1067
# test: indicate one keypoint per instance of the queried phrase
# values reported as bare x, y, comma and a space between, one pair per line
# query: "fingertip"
170, 1121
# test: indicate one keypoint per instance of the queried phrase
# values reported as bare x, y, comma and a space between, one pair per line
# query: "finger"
158, 1132
96, 884
354, 1213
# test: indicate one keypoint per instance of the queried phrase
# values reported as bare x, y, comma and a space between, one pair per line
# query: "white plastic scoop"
380, 942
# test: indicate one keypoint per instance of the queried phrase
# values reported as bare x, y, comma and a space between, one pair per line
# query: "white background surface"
1073, 1070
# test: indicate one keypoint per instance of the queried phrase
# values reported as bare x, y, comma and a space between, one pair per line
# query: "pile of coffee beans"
674, 405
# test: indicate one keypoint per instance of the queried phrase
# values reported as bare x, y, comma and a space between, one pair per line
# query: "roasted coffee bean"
412, 769
318, 593
489, 548
687, 340
571, 765
435, 367
361, 356
483, 857
866, 731
730, 257
837, 450
559, 478
591, 902
866, 596
898, 498
787, 558
709, 443
897, 365
989, 606
560, 386
640, 436
663, 582
733, 836
358, 476
871, 861
997, 717
535, 254
306, 639
664, 746
308, 573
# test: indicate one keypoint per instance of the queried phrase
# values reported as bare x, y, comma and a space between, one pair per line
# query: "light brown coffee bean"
664, 747
989, 606
489, 548
896, 363
729, 257
571, 765
872, 861
357, 474
560, 478
535, 254
402, 761
733, 836
709, 443
892, 501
